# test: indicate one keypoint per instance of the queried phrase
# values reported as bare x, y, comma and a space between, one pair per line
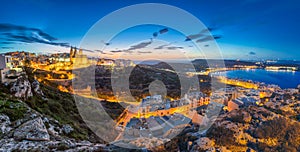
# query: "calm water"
280, 78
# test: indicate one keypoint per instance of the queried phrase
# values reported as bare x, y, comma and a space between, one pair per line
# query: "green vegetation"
60, 106
12, 108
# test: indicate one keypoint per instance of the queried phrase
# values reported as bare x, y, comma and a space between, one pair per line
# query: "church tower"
71, 54
74, 52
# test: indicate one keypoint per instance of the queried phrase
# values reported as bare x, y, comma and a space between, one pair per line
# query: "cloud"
145, 52
174, 47
193, 36
131, 48
6, 43
209, 38
15, 33
138, 46
202, 33
167, 46
209, 29
86, 50
106, 43
162, 31
10, 27
116, 51
155, 34
100, 51
6, 47
252, 53
161, 46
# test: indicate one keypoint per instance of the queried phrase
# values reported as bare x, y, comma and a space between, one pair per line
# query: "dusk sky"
249, 29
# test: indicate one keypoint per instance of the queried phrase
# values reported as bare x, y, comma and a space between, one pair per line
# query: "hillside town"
239, 108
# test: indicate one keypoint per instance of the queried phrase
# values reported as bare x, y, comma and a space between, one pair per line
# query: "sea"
284, 79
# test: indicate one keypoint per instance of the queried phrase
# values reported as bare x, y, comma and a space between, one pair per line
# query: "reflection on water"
284, 79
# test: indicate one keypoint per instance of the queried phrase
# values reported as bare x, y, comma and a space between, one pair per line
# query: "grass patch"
13, 109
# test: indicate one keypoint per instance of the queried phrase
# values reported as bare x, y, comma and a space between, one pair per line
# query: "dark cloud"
6, 43
206, 45
167, 46
116, 51
202, 33
131, 48
193, 36
174, 47
217, 37
138, 46
161, 46
252, 53
15, 33
32, 38
209, 38
209, 29
162, 31
10, 27
106, 43
6, 47
145, 52
155, 34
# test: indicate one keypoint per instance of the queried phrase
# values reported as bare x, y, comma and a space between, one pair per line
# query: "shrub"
13, 109
222, 135
275, 128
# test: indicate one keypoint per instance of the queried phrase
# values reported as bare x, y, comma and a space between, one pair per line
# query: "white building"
5, 66
5, 61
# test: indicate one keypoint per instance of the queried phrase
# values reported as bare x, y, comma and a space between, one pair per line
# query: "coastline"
254, 80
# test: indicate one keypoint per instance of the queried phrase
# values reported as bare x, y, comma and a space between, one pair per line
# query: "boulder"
67, 129
21, 88
4, 124
36, 87
34, 130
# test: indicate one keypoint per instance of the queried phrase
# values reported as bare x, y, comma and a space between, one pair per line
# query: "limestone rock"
9, 145
21, 88
36, 87
34, 130
67, 129
4, 124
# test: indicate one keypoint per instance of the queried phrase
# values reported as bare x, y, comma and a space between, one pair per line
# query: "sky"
249, 29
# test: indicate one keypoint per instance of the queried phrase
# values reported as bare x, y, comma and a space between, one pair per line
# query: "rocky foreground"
36, 132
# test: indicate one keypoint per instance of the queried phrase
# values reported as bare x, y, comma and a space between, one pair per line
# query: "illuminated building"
80, 59
5, 61
124, 63
236, 82
5, 66
73, 52
106, 62
234, 104
280, 68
